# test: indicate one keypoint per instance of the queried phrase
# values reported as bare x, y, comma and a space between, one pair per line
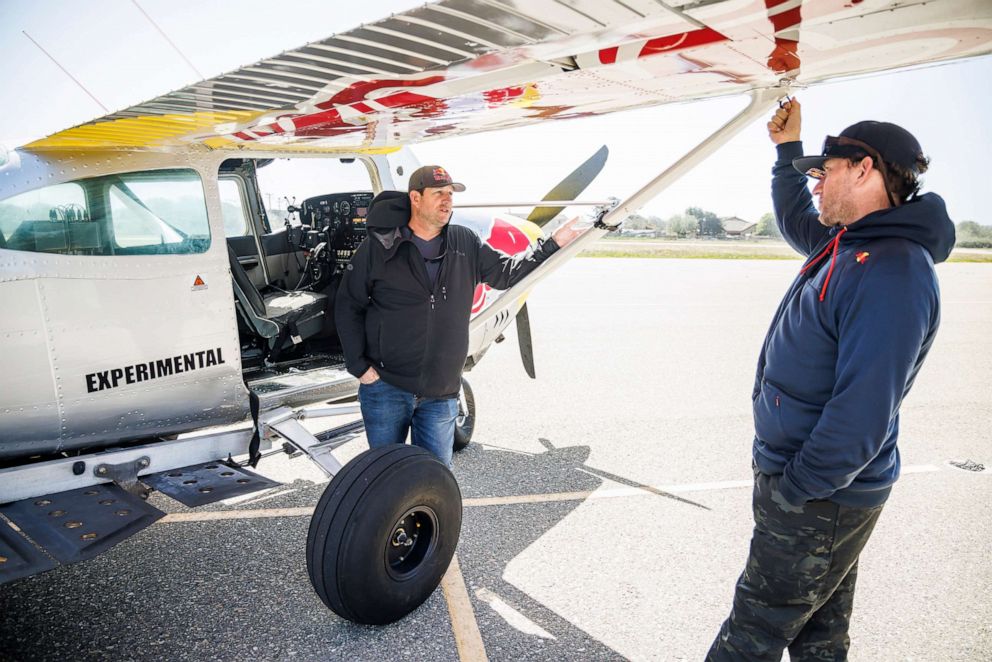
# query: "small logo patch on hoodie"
862, 257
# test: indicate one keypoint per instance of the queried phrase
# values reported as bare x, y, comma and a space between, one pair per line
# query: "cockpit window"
288, 182
232, 207
140, 213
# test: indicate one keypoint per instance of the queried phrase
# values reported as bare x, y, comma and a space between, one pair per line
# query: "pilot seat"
282, 319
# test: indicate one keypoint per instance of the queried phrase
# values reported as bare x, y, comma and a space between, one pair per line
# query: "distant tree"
712, 227
710, 224
972, 235
634, 222
658, 224
683, 225
767, 227
972, 229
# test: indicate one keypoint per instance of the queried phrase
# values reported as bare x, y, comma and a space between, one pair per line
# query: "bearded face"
834, 192
433, 206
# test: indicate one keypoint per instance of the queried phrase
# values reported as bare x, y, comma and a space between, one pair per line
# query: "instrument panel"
340, 218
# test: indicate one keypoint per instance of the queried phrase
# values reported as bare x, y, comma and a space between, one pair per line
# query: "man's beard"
836, 212
440, 219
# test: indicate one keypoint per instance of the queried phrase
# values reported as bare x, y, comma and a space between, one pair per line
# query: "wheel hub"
411, 542
401, 539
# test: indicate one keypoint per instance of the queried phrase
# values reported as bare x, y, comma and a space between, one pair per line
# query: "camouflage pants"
797, 589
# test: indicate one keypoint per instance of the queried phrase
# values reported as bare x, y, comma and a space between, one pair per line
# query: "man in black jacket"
403, 308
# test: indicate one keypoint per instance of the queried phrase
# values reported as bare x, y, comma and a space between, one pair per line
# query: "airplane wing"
463, 66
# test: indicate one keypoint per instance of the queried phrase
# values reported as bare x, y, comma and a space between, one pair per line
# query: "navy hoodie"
846, 343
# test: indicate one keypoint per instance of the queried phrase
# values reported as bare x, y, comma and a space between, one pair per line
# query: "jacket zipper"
433, 299
430, 315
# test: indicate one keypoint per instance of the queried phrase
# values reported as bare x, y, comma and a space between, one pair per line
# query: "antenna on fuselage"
166, 37
65, 71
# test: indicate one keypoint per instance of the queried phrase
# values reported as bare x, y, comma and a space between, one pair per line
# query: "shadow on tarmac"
239, 589
492, 536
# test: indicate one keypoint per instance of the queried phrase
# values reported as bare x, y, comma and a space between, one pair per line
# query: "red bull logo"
506, 238
479, 298
862, 256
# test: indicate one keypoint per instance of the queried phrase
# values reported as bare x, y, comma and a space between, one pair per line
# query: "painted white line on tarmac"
260, 513
920, 469
513, 617
468, 638
526, 498
476, 502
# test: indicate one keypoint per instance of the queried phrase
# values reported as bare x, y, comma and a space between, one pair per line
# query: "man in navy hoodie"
842, 352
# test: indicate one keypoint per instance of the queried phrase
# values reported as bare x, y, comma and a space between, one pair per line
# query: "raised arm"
501, 271
797, 218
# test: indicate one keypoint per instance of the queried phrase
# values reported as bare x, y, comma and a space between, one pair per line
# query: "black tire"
362, 561
465, 422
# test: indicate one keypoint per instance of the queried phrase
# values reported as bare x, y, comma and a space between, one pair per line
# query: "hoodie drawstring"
831, 248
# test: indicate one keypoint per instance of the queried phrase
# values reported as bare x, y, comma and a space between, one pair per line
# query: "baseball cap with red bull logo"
432, 176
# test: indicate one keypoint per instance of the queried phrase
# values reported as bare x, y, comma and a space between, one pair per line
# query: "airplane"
165, 330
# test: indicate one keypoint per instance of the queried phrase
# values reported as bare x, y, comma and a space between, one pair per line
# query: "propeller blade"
524, 339
570, 187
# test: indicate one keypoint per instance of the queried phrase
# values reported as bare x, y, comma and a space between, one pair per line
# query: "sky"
113, 50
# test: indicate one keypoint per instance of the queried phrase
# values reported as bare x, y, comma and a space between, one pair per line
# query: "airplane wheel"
465, 422
383, 534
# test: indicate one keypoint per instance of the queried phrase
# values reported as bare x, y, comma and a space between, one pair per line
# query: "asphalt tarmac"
607, 503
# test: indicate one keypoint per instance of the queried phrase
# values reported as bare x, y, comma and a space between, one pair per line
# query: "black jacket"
389, 316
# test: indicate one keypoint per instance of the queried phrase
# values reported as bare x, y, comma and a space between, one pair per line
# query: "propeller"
571, 187
525, 341
567, 189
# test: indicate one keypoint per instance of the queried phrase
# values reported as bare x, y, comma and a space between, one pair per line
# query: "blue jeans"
389, 412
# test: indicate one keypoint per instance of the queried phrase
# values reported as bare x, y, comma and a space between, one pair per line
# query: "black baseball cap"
883, 141
432, 176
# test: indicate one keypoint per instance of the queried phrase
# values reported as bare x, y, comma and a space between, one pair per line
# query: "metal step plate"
72, 526
200, 484
18, 556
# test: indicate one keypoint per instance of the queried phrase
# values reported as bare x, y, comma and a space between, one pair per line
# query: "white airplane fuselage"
102, 349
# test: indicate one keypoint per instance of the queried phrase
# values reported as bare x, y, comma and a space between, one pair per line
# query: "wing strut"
761, 101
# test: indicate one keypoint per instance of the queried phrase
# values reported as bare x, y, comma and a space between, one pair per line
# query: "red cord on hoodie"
831, 248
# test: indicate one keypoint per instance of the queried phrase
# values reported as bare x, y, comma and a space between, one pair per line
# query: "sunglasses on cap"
842, 147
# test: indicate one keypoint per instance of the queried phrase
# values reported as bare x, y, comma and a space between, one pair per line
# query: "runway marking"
919, 469
260, 513
513, 617
468, 638
526, 498
513, 500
